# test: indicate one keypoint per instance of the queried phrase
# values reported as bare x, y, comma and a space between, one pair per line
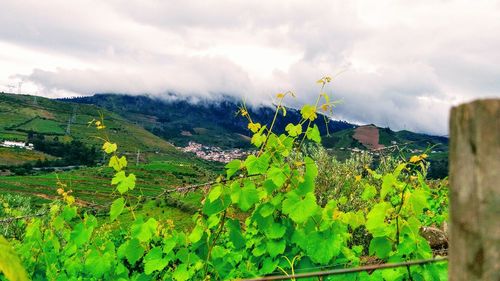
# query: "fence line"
11, 219
348, 270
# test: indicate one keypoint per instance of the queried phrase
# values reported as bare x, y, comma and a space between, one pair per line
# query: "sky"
399, 64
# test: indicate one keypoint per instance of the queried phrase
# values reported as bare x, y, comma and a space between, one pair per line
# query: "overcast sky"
403, 64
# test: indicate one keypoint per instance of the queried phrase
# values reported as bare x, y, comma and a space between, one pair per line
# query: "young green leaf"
117, 163
181, 273
308, 112
257, 165
247, 196
154, 261
116, 208
133, 250
275, 248
375, 220
313, 134
381, 247
293, 130
196, 234
387, 183
109, 147
232, 167
369, 192
128, 183
300, 209
10, 264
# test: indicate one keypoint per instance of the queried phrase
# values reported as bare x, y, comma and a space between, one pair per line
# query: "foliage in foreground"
262, 218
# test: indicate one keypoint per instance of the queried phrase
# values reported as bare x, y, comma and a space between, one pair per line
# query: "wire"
348, 270
7, 220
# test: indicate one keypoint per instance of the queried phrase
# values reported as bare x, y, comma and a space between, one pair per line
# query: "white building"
17, 144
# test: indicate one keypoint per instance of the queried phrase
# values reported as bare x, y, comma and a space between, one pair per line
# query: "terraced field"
91, 186
20, 114
18, 156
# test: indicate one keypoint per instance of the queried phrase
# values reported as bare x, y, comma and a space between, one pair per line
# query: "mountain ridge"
150, 111
216, 123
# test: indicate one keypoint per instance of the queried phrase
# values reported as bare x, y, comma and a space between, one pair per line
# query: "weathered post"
475, 191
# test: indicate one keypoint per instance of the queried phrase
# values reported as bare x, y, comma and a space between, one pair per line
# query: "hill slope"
22, 114
217, 124
208, 122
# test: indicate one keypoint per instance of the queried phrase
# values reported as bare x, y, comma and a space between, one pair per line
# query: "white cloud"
405, 62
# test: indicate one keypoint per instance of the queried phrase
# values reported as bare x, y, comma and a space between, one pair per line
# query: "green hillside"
18, 156
388, 137
22, 114
209, 122
400, 143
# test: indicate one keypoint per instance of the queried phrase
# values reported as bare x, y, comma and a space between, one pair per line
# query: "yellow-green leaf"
117, 163
109, 147
126, 184
308, 112
10, 264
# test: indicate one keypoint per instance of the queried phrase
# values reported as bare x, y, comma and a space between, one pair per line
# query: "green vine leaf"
313, 134
387, 183
154, 261
381, 247
375, 220
310, 175
10, 265
143, 231
293, 130
275, 248
196, 234
116, 208
257, 165
126, 184
308, 112
300, 208
109, 147
232, 167
132, 250
117, 163
369, 192
245, 197
215, 193
181, 273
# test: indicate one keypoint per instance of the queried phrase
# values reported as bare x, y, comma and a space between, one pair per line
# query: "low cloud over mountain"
403, 63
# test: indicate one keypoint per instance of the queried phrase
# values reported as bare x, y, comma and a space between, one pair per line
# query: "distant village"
214, 153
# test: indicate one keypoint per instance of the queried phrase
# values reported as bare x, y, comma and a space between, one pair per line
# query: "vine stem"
397, 214
221, 228
397, 227
315, 108
409, 272
272, 125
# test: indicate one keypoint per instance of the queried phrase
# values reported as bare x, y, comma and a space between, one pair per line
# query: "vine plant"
261, 219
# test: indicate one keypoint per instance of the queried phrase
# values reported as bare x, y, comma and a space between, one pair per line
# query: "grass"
43, 126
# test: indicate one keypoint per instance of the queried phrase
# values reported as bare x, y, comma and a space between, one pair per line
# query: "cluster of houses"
214, 153
17, 144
